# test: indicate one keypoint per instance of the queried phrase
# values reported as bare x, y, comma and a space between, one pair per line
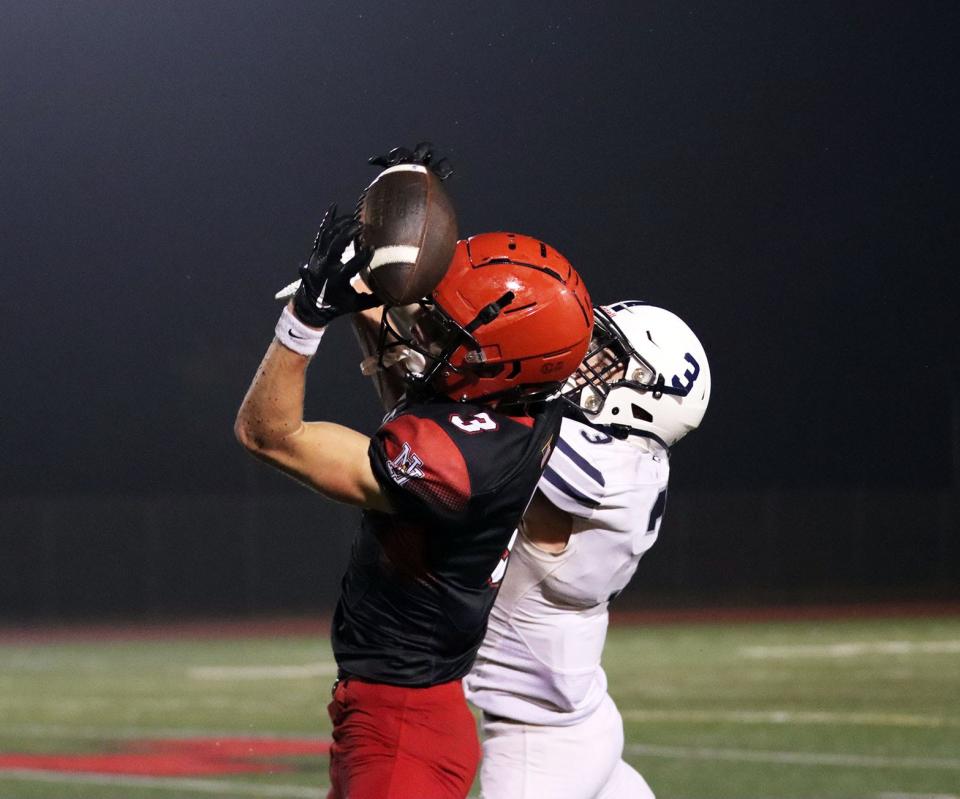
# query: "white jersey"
540, 660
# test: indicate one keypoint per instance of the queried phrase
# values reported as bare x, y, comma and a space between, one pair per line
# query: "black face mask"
604, 367
435, 336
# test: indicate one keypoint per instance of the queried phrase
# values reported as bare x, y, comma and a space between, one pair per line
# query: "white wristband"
296, 336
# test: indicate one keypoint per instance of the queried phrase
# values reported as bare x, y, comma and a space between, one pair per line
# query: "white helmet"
646, 373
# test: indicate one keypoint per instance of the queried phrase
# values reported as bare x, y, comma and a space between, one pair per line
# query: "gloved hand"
422, 154
325, 291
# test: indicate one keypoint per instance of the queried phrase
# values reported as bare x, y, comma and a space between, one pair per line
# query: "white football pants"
582, 761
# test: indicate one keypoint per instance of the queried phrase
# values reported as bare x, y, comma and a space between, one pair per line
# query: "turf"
747, 710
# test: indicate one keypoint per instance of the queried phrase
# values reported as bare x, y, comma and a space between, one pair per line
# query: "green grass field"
748, 710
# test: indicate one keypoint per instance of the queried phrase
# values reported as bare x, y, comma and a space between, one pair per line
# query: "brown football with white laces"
409, 222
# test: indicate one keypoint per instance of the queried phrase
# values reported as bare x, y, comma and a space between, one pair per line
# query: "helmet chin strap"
621, 431
632, 431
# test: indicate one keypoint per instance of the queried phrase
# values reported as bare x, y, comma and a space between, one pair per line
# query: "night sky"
782, 175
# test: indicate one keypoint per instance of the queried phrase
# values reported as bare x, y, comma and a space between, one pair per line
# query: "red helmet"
511, 319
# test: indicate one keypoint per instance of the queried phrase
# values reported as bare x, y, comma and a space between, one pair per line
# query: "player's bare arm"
546, 526
327, 457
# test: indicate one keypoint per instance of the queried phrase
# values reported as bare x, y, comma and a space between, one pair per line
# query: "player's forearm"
388, 382
272, 410
327, 457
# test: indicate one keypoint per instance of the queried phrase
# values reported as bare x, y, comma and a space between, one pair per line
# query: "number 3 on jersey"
473, 424
497, 575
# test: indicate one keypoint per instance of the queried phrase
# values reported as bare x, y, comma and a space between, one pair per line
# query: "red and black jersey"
421, 581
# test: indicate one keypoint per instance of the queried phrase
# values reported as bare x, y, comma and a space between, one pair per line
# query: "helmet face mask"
422, 337
613, 362
510, 321
645, 374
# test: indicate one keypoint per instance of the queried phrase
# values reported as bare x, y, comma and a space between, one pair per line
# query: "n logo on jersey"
406, 465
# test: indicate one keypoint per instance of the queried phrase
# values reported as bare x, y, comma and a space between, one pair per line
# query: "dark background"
782, 175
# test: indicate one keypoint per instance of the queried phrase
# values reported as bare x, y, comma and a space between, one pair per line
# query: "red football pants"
391, 742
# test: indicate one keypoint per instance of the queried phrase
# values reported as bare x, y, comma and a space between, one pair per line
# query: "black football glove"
422, 154
325, 291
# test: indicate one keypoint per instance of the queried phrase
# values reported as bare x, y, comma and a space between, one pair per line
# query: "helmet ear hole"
641, 413
488, 369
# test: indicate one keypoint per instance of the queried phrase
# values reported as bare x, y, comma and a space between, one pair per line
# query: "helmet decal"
690, 376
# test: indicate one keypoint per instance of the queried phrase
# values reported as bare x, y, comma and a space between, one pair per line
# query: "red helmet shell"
538, 339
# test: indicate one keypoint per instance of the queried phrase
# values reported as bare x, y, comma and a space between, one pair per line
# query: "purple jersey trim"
557, 481
580, 461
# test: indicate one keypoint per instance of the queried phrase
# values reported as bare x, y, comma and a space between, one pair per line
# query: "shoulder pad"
416, 456
572, 480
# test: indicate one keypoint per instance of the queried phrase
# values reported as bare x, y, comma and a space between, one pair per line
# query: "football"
409, 222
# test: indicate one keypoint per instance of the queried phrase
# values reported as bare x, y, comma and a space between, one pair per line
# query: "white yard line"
846, 649
307, 671
791, 717
917, 796
120, 733
66, 709
794, 758
225, 787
